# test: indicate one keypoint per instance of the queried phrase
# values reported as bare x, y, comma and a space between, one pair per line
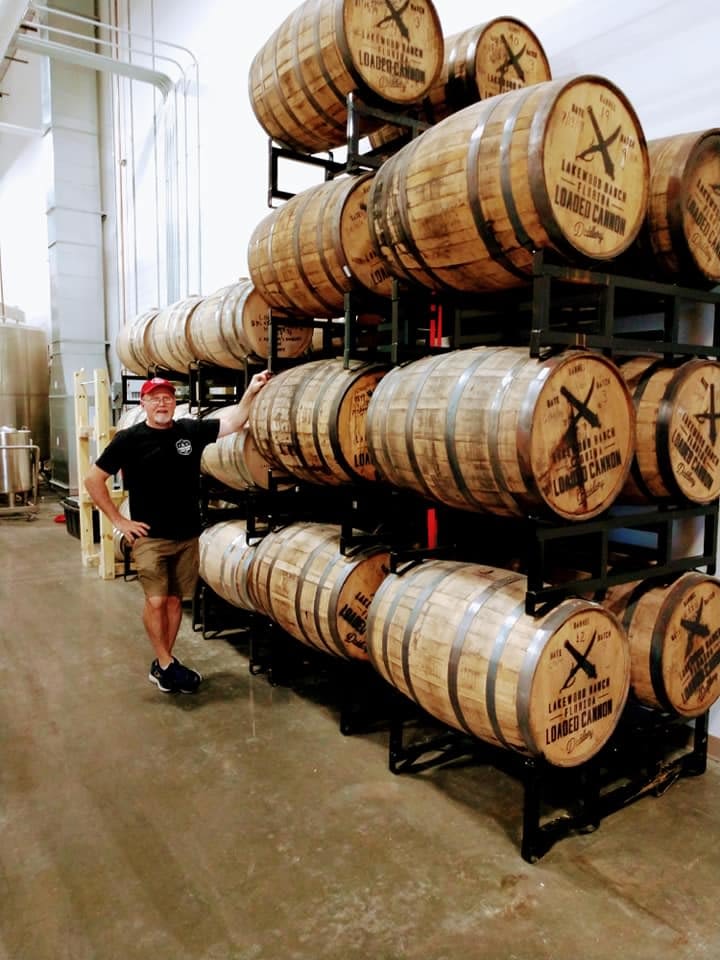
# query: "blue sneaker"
175, 678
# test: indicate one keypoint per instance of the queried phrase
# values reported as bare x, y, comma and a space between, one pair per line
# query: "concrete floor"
242, 825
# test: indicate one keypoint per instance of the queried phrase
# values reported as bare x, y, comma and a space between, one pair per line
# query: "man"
160, 462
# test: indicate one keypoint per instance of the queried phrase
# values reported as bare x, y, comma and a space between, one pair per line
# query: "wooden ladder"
91, 440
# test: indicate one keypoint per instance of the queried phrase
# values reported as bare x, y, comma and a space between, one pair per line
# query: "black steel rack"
648, 752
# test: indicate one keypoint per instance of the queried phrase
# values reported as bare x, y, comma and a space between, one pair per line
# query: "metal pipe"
98, 41
194, 69
95, 61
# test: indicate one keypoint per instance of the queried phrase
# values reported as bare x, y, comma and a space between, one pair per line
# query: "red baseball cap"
155, 384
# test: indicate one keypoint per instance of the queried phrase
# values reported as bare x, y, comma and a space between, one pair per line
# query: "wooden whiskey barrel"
309, 420
491, 430
674, 636
299, 579
233, 324
225, 559
132, 414
119, 543
680, 240
480, 62
131, 343
299, 80
455, 638
312, 250
677, 428
168, 341
236, 461
560, 165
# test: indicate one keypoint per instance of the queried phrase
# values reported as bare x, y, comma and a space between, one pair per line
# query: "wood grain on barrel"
455, 638
490, 429
677, 452
312, 250
300, 580
131, 343
236, 461
683, 217
168, 342
310, 420
233, 324
299, 80
225, 558
560, 165
674, 636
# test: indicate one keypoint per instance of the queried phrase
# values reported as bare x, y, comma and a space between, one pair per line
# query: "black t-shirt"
161, 472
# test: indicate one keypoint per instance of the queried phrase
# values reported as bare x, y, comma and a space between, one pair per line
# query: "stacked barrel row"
455, 638
491, 430
223, 329
513, 162
465, 205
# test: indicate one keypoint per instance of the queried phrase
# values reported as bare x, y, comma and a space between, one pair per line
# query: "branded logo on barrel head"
710, 416
600, 145
507, 57
395, 16
691, 661
581, 709
513, 60
583, 438
400, 46
694, 435
599, 181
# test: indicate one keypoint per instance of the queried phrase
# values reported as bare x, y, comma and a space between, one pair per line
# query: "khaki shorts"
167, 568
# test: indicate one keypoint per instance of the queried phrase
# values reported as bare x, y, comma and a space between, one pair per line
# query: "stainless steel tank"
25, 381
16, 461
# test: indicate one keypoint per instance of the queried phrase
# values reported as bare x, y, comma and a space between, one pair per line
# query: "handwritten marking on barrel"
695, 628
396, 15
581, 662
513, 60
711, 415
601, 146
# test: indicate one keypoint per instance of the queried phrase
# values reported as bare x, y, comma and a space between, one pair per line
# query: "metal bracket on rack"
330, 167
373, 158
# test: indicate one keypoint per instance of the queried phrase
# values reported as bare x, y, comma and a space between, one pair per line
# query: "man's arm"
234, 418
96, 486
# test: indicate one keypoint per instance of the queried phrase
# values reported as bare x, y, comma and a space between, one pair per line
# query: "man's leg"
165, 569
161, 618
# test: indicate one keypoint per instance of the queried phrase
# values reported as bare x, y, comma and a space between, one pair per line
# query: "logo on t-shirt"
183, 447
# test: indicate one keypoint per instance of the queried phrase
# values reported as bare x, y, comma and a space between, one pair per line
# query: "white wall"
23, 175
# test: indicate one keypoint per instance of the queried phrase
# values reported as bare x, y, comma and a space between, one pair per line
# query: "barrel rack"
564, 306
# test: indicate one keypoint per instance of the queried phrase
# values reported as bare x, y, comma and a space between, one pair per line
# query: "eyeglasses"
156, 400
